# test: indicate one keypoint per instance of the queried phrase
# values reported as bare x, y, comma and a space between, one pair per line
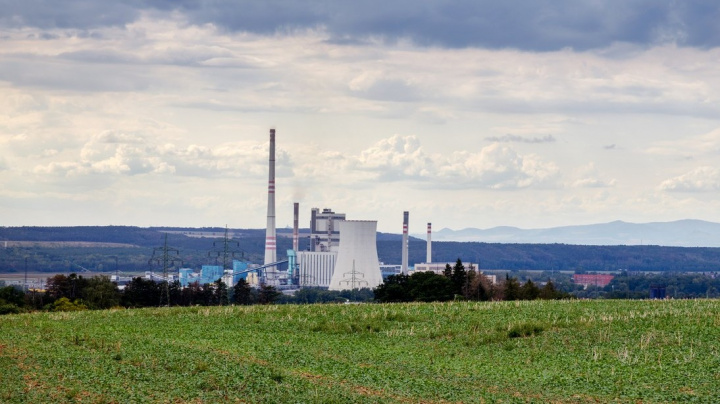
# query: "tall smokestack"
296, 230
404, 268
270, 239
428, 259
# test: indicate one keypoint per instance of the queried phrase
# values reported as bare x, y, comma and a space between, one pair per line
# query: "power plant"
341, 253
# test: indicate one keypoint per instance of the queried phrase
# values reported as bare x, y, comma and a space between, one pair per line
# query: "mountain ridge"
678, 233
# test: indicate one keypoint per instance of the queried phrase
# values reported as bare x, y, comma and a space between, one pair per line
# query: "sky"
468, 113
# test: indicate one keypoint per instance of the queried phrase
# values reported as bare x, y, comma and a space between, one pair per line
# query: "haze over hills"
681, 233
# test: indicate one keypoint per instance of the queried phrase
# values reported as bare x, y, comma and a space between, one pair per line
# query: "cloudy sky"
469, 113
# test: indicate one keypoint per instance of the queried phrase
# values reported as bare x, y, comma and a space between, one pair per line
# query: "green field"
539, 351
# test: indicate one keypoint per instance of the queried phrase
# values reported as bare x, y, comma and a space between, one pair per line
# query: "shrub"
8, 308
64, 304
525, 330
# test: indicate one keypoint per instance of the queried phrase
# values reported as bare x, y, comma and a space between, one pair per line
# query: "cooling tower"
404, 267
357, 264
428, 259
270, 239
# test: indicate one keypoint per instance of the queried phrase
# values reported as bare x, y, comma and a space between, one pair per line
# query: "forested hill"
563, 257
197, 245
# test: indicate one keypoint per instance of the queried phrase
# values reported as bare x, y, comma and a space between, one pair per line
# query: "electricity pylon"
226, 251
162, 255
353, 280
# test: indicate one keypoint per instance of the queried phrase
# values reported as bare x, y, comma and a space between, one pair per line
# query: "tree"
459, 278
430, 287
242, 293
101, 293
393, 289
141, 293
206, 296
511, 289
12, 295
529, 291
448, 271
70, 286
175, 292
221, 293
192, 294
267, 294
11, 300
548, 292
420, 286
480, 288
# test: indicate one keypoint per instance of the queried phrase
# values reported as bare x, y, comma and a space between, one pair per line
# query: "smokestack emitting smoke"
270, 238
404, 268
296, 231
428, 259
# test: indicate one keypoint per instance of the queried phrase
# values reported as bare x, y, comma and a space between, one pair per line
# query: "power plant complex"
341, 253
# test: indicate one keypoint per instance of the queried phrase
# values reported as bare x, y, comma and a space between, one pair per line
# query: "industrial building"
342, 253
324, 230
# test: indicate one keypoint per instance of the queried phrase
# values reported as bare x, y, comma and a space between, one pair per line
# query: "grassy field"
540, 351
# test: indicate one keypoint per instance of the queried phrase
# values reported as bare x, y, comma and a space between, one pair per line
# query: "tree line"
457, 282
74, 293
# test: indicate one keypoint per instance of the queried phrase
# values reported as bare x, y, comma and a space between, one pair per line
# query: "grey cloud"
519, 139
100, 56
189, 56
539, 25
78, 14
575, 106
31, 73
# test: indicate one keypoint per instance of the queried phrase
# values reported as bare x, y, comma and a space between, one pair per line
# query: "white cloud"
401, 158
588, 176
701, 179
121, 153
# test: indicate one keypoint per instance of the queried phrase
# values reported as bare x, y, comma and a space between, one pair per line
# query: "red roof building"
594, 279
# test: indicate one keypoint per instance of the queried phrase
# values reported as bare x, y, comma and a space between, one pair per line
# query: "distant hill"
104, 248
681, 233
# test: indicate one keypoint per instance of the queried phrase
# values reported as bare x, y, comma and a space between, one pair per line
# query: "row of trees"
458, 283
75, 292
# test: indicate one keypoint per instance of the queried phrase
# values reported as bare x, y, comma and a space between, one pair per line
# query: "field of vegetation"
522, 351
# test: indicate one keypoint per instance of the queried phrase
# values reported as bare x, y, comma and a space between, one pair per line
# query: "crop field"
539, 351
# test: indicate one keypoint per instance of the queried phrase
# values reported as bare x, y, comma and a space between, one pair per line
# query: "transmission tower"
353, 280
226, 250
164, 256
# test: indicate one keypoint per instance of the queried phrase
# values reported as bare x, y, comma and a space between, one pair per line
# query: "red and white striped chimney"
270, 237
404, 267
428, 259
296, 230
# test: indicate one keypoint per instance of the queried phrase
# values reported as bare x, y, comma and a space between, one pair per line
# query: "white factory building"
342, 253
